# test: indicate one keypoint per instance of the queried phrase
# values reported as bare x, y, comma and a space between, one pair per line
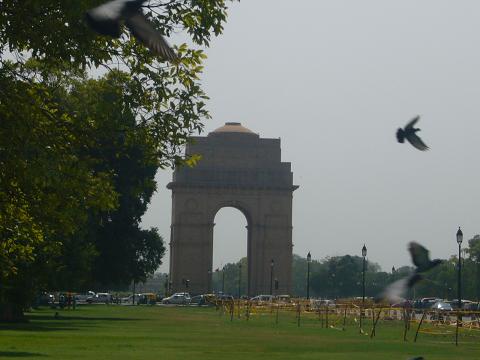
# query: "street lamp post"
364, 254
459, 316
309, 260
272, 264
239, 280
459, 241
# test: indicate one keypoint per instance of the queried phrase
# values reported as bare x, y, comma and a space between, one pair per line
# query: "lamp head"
459, 236
364, 250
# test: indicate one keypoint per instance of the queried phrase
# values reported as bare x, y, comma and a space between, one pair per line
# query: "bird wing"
412, 122
419, 255
416, 142
396, 291
111, 10
143, 30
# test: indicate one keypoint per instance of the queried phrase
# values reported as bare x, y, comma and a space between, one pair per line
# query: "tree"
341, 276
231, 273
474, 254
52, 183
45, 185
126, 150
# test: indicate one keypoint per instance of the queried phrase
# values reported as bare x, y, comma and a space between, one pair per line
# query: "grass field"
141, 332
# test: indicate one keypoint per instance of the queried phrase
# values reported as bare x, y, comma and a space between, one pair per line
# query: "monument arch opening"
241, 170
230, 243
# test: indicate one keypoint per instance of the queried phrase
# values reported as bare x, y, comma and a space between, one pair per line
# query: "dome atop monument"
233, 127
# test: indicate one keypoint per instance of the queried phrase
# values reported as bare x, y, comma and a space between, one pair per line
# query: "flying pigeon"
106, 19
396, 291
409, 133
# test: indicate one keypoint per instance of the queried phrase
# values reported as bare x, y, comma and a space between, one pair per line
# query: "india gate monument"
237, 169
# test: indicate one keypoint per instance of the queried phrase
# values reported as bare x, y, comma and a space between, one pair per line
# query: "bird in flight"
409, 133
106, 19
396, 291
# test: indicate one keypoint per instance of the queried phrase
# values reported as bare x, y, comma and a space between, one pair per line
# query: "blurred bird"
107, 19
417, 358
396, 291
409, 133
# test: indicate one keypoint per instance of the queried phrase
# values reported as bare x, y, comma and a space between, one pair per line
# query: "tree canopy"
85, 122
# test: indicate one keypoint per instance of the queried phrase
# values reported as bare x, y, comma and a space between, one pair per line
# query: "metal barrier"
351, 314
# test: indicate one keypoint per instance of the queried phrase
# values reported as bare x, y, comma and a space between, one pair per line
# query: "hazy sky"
334, 80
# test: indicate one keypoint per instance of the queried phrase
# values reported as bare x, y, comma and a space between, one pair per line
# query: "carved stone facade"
241, 170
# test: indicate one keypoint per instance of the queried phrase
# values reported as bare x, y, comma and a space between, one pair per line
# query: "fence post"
299, 306
419, 324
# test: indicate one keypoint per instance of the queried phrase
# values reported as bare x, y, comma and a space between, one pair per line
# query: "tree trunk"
11, 313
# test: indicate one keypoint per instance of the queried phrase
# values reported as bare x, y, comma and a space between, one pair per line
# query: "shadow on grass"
47, 322
63, 317
32, 326
19, 354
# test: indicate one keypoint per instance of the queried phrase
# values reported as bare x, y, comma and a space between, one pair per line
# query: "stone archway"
241, 170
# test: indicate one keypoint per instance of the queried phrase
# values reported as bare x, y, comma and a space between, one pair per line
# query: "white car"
105, 298
177, 298
260, 299
129, 299
84, 297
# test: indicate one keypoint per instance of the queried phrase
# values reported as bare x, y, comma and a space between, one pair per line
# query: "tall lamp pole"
459, 316
459, 241
364, 254
309, 260
239, 280
272, 264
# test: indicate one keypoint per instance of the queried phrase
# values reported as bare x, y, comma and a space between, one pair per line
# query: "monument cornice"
180, 185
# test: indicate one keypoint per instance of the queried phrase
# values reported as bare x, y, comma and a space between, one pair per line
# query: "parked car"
129, 299
284, 299
324, 302
425, 303
260, 299
465, 303
84, 297
225, 297
177, 298
442, 309
471, 306
204, 299
99, 298
442, 306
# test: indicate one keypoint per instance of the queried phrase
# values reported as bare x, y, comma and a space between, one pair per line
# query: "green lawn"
126, 332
